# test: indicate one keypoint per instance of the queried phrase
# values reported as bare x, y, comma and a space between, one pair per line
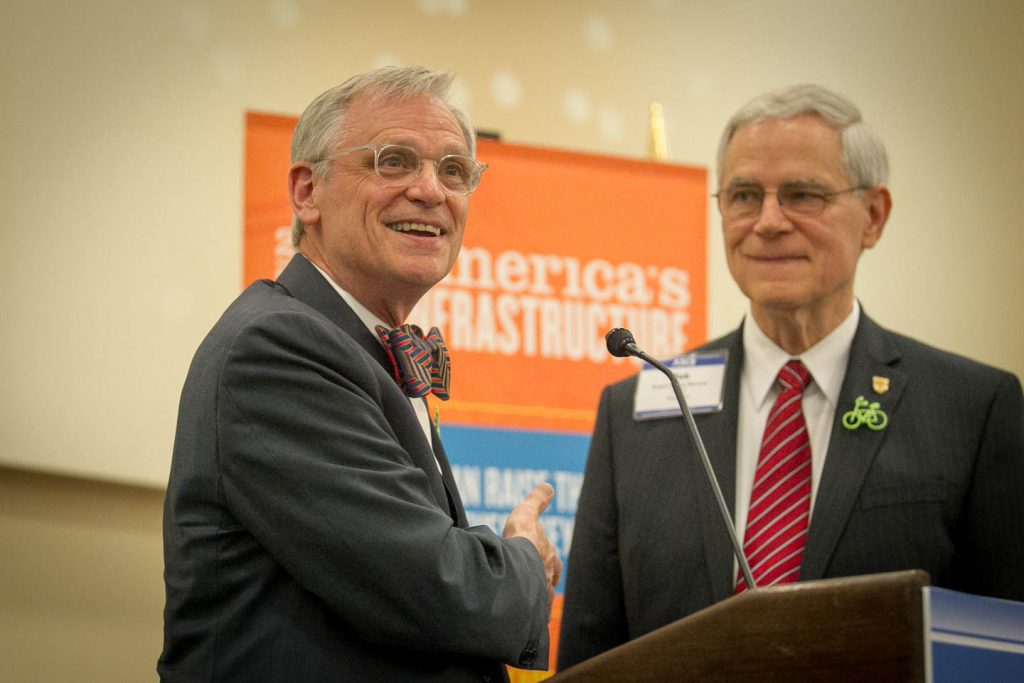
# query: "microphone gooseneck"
621, 343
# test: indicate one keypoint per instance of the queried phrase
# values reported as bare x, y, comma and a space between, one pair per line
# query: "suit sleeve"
315, 463
992, 558
594, 616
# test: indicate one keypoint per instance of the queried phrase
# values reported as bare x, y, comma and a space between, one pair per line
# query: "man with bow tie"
312, 527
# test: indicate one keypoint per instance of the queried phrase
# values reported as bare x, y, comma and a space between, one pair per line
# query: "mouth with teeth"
416, 229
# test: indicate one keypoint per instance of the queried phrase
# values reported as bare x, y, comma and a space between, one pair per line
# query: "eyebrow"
742, 182
746, 182
455, 148
815, 184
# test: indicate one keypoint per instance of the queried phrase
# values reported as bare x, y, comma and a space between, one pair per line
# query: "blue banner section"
495, 469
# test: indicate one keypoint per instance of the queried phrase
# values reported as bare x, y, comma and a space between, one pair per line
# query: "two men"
313, 530
933, 482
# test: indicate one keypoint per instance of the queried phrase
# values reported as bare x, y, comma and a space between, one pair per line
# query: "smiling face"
385, 245
789, 265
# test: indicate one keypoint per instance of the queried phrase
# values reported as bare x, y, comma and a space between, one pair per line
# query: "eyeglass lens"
743, 202
396, 164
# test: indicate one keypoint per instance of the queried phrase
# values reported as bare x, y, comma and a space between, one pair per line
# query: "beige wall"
120, 202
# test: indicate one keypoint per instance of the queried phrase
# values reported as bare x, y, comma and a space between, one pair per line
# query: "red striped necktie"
421, 363
780, 502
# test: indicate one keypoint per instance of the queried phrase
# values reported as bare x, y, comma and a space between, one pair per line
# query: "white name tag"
701, 376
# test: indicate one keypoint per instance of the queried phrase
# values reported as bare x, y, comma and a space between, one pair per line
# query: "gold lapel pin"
880, 384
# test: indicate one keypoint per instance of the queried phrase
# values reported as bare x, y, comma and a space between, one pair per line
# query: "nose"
772, 218
426, 187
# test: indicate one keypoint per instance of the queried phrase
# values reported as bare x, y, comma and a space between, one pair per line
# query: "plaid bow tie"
421, 363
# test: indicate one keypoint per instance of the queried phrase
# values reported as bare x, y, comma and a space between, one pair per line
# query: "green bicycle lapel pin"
865, 413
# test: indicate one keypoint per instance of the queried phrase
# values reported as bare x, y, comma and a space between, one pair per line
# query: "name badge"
701, 376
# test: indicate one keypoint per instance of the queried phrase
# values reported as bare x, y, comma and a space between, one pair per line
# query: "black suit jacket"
308, 535
939, 488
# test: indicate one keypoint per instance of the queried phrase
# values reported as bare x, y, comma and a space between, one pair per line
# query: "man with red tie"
841, 448
312, 527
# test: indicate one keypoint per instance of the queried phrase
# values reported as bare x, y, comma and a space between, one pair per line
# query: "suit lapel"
451, 490
305, 283
718, 431
851, 452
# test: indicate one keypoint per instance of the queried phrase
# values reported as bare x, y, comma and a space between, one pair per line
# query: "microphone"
621, 343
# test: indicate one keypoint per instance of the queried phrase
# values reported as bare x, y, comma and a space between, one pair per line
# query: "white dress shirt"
762, 360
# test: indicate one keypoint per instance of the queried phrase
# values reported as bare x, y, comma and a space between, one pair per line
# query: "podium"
866, 628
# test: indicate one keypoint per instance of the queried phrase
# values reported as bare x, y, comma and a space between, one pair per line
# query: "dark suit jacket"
308, 535
940, 488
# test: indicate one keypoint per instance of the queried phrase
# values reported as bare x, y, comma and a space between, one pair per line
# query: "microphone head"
617, 339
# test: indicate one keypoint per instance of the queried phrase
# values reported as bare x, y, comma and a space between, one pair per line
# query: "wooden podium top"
864, 628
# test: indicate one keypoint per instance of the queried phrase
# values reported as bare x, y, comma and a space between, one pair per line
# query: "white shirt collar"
826, 360
369, 319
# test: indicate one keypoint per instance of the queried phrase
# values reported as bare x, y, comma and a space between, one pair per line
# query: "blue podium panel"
973, 638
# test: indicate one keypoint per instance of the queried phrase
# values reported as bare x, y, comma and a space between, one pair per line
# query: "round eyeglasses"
458, 174
745, 201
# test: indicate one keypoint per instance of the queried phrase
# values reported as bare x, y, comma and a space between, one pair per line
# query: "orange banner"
268, 213
560, 247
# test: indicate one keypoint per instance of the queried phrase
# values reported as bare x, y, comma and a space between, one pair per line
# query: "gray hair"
322, 124
864, 156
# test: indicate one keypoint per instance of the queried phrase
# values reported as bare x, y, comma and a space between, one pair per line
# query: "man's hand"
524, 520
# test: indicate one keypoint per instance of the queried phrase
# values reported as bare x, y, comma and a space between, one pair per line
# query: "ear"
879, 205
301, 181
